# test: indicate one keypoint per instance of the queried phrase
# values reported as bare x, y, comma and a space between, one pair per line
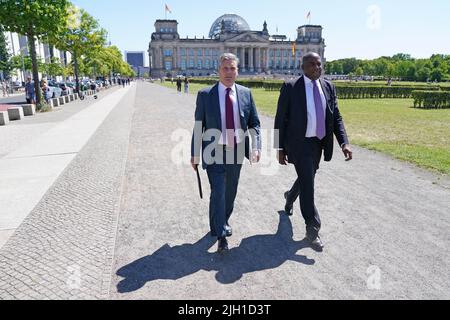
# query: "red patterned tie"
229, 116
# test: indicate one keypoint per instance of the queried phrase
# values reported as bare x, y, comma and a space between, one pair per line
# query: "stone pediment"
248, 37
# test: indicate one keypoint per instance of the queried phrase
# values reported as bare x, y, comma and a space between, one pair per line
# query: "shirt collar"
309, 81
222, 88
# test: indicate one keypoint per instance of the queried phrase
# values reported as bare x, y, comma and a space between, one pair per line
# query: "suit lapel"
326, 93
215, 105
241, 105
301, 91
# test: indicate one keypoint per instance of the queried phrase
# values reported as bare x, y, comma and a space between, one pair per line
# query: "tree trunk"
37, 87
75, 70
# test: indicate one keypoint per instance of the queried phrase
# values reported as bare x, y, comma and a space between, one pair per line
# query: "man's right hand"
195, 162
282, 158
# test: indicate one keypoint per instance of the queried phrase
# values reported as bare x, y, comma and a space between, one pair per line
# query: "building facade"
136, 60
18, 46
258, 51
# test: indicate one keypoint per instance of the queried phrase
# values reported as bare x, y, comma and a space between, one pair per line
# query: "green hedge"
374, 92
431, 99
344, 90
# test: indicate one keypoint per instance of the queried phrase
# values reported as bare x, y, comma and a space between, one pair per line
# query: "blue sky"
352, 28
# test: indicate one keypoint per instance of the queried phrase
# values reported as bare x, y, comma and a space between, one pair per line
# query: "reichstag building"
258, 51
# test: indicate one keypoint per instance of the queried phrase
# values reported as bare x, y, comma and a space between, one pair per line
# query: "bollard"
29, 109
4, 118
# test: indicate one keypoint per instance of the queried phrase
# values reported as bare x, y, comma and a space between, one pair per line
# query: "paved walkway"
124, 221
35, 150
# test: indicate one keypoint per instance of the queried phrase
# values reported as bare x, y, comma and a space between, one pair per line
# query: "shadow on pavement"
256, 253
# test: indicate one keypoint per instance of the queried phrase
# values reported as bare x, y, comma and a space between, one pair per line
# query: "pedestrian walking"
186, 85
179, 82
306, 119
30, 93
229, 106
5, 88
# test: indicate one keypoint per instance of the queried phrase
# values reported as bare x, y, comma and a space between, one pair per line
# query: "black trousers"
306, 165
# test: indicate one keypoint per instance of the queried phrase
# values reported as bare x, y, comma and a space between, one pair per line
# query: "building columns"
242, 58
258, 60
175, 59
250, 60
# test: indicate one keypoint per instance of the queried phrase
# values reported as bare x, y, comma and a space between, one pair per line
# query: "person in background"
30, 93
4, 86
186, 85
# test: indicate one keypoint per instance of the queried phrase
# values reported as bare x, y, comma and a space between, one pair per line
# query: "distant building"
136, 60
18, 45
258, 51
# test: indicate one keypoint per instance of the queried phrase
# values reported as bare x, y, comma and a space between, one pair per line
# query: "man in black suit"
307, 117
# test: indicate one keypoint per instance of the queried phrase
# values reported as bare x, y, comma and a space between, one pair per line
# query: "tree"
34, 19
411, 74
21, 62
359, 71
350, 65
436, 75
5, 64
402, 57
424, 74
81, 36
54, 68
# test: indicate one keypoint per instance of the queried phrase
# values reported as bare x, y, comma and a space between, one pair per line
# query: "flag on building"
168, 9
308, 16
294, 48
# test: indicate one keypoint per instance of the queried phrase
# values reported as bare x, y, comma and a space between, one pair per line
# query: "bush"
43, 107
431, 99
377, 92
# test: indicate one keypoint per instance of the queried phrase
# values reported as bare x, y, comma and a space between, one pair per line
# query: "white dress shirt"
236, 113
311, 129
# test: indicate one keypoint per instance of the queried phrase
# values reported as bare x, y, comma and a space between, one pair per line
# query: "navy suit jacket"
207, 117
291, 119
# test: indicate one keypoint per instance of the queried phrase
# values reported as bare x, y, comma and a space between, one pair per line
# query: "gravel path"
385, 224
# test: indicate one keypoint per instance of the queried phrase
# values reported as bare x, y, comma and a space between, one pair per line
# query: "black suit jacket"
291, 119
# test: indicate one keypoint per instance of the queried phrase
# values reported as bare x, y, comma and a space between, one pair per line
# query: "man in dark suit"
224, 118
307, 117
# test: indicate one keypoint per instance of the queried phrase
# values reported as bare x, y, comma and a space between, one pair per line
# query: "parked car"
66, 89
55, 90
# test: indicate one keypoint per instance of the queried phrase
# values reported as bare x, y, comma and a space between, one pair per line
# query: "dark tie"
229, 116
320, 114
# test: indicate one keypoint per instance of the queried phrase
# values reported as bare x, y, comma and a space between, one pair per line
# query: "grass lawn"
391, 126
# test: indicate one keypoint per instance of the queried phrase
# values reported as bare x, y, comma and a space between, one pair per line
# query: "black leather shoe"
315, 243
229, 230
289, 206
223, 245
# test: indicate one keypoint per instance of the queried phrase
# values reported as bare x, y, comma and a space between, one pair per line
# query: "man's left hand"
348, 153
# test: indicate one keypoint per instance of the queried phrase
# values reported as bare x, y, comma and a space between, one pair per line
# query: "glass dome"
233, 23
